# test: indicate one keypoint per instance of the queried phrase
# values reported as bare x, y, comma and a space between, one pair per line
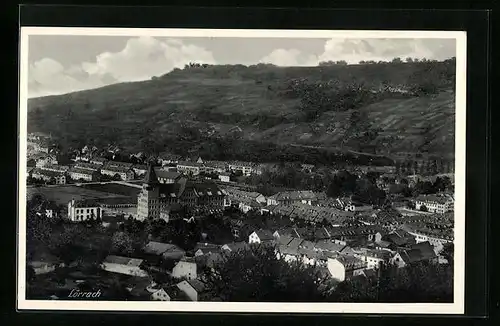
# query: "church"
156, 198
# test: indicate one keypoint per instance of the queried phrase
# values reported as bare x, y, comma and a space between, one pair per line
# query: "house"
166, 250
43, 263
42, 146
224, 177
82, 174
98, 160
185, 268
245, 200
398, 238
167, 177
345, 266
83, 210
246, 205
195, 159
356, 233
435, 203
140, 169
192, 288
203, 248
372, 257
287, 232
55, 168
88, 166
436, 237
283, 240
48, 176
189, 168
288, 253
329, 246
124, 265
166, 158
423, 251
235, 247
215, 167
44, 159
292, 197
261, 236
160, 295
244, 167
125, 172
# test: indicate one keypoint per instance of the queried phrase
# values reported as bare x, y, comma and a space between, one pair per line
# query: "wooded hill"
265, 112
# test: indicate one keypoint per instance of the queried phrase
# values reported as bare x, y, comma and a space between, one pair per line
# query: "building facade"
83, 210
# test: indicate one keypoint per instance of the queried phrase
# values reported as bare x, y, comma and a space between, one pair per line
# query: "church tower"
148, 201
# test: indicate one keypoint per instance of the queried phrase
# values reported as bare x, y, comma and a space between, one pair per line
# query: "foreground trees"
258, 275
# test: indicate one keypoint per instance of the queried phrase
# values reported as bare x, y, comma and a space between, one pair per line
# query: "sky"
61, 64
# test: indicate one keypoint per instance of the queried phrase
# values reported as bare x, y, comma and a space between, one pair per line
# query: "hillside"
384, 108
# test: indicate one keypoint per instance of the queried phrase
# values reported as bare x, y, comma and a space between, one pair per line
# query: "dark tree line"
256, 274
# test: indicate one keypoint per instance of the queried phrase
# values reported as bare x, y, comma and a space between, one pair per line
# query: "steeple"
151, 178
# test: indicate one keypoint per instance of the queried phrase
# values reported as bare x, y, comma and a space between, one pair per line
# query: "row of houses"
47, 167
343, 261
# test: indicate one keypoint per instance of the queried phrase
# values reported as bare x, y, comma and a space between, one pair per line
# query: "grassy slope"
221, 100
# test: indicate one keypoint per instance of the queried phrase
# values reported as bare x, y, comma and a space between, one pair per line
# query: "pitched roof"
150, 178
295, 195
350, 262
284, 240
81, 171
163, 174
426, 249
123, 260
264, 235
86, 203
48, 173
159, 248
236, 246
327, 245
440, 199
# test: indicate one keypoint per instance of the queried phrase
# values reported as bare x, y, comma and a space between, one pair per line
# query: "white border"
457, 307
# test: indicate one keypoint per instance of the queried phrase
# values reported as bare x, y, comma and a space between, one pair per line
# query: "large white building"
82, 210
440, 204
82, 174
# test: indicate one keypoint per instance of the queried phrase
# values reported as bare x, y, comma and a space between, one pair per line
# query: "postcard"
202, 170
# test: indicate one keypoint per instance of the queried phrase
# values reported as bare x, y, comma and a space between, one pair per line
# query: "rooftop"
350, 262
159, 248
123, 260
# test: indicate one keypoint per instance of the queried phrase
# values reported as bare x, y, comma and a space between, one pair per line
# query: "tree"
258, 275
122, 243
448, 253
424, 208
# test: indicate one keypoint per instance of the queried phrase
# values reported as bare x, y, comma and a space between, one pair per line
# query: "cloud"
49, 77
355, 50
145, 57
140, 59
289, 57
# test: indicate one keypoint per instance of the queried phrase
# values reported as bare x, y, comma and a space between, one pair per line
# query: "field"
113, 188
61, 195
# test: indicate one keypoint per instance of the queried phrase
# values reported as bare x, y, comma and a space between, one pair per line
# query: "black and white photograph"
242, 170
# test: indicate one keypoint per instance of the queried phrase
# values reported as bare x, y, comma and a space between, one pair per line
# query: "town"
161, 227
